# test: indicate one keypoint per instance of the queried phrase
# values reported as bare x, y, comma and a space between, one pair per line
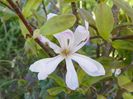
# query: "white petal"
71, 75
65, 38
116, 71
50, 15
81, 36
86, 25
42, 76
90, 66
46, 66
52, 45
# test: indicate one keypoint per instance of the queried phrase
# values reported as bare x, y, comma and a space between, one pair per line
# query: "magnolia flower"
70, 43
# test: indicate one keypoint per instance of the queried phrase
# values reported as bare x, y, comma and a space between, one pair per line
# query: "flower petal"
52, 45
42, 76
71, 75
81, 37
89, 65
65, 38
116, 72
50, 15
46, 66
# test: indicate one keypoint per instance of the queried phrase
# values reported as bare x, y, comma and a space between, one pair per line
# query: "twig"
121, 27
44, 8
29, 28
74, 11
123, 37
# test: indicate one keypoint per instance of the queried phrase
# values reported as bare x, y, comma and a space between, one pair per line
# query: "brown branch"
19, 13
27, 25
130, 37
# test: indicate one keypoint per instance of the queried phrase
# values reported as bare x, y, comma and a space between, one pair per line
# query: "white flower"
116, 72
69, 43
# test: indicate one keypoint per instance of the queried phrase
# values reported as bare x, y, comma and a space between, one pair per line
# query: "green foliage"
55, 91
127, 96
57, 24
122, 44
125, 6
30, 5
104, 20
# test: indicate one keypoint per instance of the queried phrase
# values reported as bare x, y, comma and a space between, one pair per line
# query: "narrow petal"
81, 36
50, 15
86, 25
71, 75
116, 71
52, 45
65, 38
90, 66
42, 76
46, 66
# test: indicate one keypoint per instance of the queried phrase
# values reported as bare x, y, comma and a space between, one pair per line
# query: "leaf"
127, 96
58, 80
68, 1
122, 80
58, 24
30, 5
125, 6
89, 81
101, 97
128, 87
104, 20
81, 74
6, 83
111, 63
55, 91
126, 83
122, 44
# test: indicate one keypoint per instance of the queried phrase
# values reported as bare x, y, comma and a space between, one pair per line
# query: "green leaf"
81, 74
55, 91
89, 81
127, 96
125, 6
111, 63
58, 80
104, 20
122, 44
6, 83
122, 80
70, 1
128, 87
57, 24
125, 82
101, 97
30, 5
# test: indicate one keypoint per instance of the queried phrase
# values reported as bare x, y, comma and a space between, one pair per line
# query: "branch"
27, 25
123, 37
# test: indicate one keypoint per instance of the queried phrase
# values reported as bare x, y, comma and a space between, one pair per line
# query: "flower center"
65, 52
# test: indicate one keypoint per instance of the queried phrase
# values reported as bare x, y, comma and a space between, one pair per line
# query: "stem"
19, 13
27, 25
44, 8
74, 11
123, 37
